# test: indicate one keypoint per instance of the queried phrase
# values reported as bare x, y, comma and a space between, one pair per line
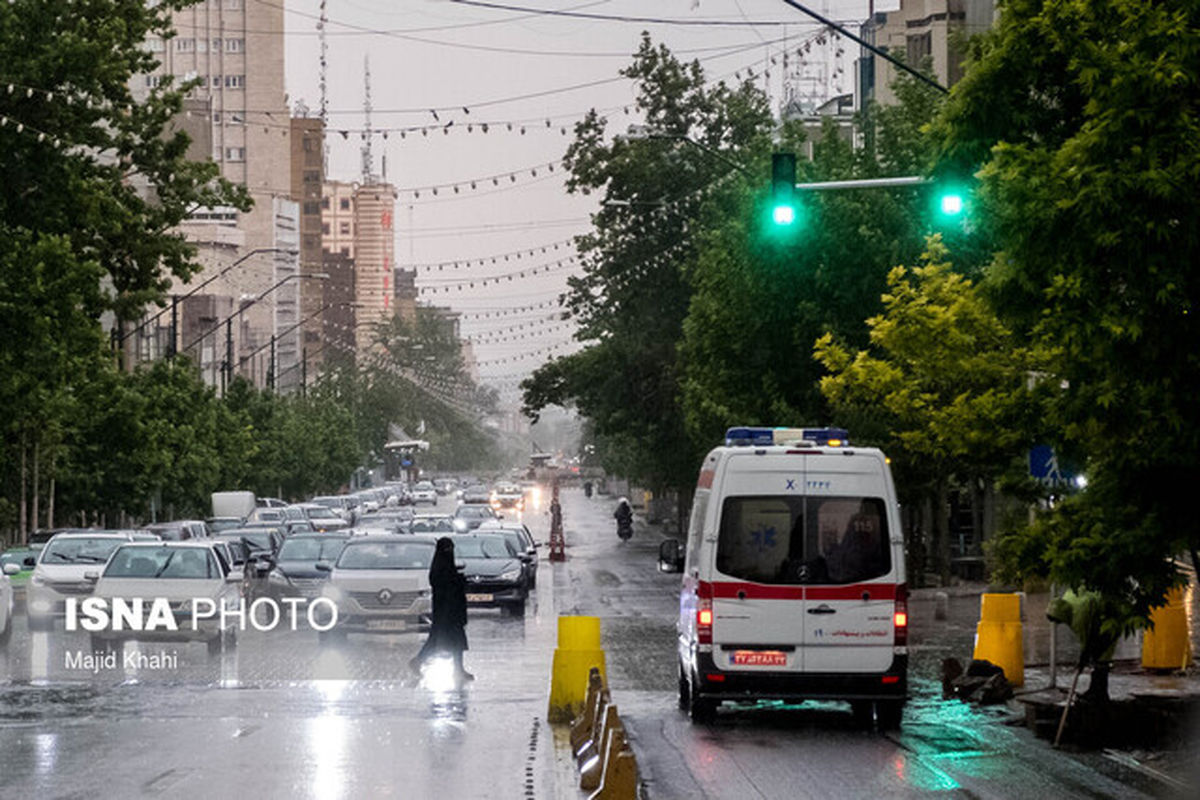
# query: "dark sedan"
295, 573
495, 571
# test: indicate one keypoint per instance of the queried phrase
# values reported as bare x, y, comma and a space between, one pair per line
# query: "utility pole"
271, 374
174, 326
303, 371
227, 371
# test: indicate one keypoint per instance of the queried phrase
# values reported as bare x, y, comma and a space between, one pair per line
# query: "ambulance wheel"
889, 713
702, 710
684, 692
862, 712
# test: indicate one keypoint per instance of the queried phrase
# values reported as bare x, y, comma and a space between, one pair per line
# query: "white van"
793, 576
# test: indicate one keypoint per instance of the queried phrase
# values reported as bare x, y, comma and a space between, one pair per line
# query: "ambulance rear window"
803, 540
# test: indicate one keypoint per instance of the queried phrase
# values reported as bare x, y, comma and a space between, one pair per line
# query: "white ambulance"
793, 576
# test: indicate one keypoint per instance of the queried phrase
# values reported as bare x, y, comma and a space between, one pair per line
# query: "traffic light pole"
864, 183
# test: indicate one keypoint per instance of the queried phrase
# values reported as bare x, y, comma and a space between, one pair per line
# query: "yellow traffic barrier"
591, 765
998, 637
584, 725
619, 778
1166, 646
578, 652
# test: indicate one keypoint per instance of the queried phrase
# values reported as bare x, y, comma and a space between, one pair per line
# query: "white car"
60, 571
380, 584
424, 492
181, 573
6, 602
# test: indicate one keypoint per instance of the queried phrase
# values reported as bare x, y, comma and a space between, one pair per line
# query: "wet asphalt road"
283, 717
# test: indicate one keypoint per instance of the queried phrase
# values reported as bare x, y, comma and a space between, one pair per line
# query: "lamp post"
271, 376
227, 367
176, 299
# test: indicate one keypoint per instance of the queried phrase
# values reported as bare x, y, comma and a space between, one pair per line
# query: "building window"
153, 81
344, 229
325, 228
216, 45
216, 81
235, 45
154, 45
217, 117
325, 203
235, 154
312, 207
237, 118
185, 45
202, 45
344, 204
235, 81
310, 144
312, 176
346, 251
919, 47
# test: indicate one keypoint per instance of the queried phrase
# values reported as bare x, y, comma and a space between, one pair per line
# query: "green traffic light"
951, 204
783, 215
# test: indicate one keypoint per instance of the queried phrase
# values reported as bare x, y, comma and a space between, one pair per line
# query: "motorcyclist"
624, 516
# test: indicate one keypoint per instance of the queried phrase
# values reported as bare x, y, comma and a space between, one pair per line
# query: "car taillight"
900, 616
704, 613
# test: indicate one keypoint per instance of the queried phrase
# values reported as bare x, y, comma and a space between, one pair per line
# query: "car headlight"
512, 575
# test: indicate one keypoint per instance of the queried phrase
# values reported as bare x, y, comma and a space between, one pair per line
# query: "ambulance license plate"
387, 624
480, 598
759, 658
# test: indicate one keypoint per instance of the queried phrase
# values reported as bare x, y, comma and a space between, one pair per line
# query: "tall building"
308, 178
357, 224
236, 113
919, 29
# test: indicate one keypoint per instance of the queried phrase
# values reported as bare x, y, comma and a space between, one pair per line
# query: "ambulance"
793, 577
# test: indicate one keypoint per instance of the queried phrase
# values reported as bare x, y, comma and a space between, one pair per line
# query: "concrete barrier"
578, 652
584, 725
591, 768
998, 637
619, 775
1167, 645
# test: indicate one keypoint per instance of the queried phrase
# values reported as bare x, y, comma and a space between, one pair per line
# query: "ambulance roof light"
747, 436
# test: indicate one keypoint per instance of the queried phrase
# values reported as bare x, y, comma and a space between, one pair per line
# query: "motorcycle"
587, 489
624, 529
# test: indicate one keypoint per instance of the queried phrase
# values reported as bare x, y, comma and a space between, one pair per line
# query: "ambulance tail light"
900, 616
704, 613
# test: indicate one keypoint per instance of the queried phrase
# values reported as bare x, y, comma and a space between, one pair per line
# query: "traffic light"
783, 189
950, 202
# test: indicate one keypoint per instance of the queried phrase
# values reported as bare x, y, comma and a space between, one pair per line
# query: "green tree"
1083, 118
946, 377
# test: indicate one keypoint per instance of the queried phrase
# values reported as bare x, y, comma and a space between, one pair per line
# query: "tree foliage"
1084, 120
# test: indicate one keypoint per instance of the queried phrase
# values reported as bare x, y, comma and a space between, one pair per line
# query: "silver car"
6, 602
380, 584
60, 571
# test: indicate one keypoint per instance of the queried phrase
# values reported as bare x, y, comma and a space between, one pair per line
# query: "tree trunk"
35, 516
50, 502
22, 517
1097, 691
976, 513
942, 521
989, 509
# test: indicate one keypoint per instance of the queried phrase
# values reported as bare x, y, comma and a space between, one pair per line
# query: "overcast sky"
516, 69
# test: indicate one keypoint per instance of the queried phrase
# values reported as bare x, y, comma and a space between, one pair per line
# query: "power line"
698, 21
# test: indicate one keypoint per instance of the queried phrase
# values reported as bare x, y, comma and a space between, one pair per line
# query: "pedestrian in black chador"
448, 633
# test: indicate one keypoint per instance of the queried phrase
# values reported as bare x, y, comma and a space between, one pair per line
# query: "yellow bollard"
619, 777
577, 653
1166, 646
998, 637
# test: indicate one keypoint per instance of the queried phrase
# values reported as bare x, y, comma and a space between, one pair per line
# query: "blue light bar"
766, 437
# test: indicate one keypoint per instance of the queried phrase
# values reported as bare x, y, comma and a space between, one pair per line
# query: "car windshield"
321, 512
438, 525
267, 515
794, 540
79, 550
474, 512
163, 562
311, 549
386, 555
481, 547
515, 541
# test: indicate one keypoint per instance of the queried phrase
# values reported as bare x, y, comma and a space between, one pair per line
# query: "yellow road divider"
578, 652
1166, 646
998, 637
607, 765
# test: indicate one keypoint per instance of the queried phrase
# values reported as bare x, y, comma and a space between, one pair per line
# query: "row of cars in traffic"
364, 557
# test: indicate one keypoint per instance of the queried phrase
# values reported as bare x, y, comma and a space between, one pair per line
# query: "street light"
175, 299
271, 377
227, 366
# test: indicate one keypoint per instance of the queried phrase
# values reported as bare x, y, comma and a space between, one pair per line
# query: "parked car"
495, 572
295, 573
343, 504
181, 572
424, 492
380, 584
470, 517
26, 559
7, 604
218, 524
61, 567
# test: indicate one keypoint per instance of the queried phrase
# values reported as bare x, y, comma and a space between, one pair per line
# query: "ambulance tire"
702, 710
685, 694
863, 714
889, 713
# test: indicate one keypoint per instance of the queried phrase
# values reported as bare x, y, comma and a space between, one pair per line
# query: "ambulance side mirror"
670, 556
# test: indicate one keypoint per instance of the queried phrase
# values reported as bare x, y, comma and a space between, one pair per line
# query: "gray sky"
436, 54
